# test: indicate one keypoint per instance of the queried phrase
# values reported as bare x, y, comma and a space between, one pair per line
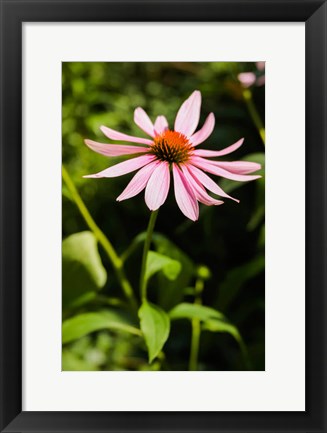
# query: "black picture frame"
13, 14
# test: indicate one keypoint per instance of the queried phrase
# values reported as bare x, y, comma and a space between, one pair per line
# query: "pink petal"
188, 115
184, 195
138, 182
124, 167
207, 182
247, 79
210, 167
115, 135
214, 153
158, 186
114, 149
205, 131
260, 66
143, 121
200, 193
238, 167
160, 125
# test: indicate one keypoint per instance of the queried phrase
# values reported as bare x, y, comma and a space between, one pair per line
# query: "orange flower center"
172, 146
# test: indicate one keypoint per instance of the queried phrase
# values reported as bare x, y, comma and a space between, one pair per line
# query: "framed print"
163, 216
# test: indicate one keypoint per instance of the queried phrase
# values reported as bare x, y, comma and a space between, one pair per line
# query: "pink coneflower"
173, 151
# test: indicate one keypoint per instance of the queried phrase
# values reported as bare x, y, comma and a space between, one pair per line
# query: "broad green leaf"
82, 269
194, 311
83, 299
158, 262
84, 324
171, 292
216, 325
236, 278
155, 326
222, 326
212, 320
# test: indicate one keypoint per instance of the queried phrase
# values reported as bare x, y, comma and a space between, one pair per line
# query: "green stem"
196, 329
195, 345
102, 239
247, 95
143, 282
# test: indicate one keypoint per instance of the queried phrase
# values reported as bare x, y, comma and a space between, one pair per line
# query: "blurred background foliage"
228, 240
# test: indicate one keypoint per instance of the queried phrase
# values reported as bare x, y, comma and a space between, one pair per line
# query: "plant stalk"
147, 243
196, 329
247, 95
102, 239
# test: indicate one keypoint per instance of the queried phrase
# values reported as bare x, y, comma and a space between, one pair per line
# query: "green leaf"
82, 269
83, 299
236, 278
84, 324
155, 326
212, 320
171, 292
215, 325
194, 311
158, 262
222, 326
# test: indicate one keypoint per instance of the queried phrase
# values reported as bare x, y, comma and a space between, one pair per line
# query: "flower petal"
238, 167
208, 183
160, 125
188, 115
210, 167
124, 167
114, 149
214, 153
260, 66
200, 193
138, 182
115, 135
143, 121
246, 78
158, 186
184, 195
206, 130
